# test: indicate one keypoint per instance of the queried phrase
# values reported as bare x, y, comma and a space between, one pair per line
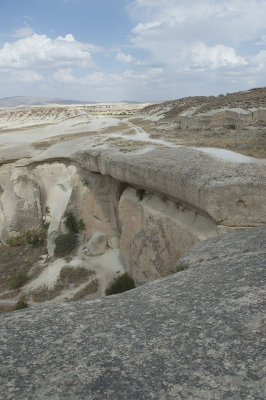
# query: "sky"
135, 50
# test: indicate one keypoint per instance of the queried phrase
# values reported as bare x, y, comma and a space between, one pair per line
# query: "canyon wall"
153, 205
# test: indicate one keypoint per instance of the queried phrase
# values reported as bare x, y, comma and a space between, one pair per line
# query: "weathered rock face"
223, 118
197, 334
231, 193
99, 204
183, 196
156, 232
97, 244
21, 207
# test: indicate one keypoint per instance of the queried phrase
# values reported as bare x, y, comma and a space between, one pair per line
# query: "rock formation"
142, 205
196, 334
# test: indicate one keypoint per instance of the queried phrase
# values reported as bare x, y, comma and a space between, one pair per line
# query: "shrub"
34, 237
181, 267
121, 284
18, 280
72, 224
64, 244
21, 304
15, 241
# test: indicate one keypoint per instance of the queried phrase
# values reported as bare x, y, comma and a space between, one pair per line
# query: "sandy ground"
126, 132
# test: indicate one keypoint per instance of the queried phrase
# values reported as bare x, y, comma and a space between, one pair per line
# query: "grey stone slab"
197, 334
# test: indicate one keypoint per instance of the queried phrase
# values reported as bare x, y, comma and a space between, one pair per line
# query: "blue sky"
144, 50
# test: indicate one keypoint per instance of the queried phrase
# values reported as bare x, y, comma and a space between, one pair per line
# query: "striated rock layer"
197, 334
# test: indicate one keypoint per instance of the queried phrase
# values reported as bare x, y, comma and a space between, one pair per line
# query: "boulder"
97, 244
114, 242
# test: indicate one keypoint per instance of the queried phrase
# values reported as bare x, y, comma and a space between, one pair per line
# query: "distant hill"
130, 101
37, 101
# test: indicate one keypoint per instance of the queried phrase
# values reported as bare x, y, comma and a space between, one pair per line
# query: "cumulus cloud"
64, 75
215, 57
126, 58
201, 31
43, 52
201, 39
175, 48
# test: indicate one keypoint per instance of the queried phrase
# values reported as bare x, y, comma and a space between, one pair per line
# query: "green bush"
18, 280
121, 284
72, 224
180, 267
65, 243
21, 304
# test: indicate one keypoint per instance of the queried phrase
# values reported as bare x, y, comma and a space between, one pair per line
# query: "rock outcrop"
147, 187
156, 232
157, 202
197, 334
20, 207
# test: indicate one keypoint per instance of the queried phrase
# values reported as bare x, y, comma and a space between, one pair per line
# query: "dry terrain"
229, 129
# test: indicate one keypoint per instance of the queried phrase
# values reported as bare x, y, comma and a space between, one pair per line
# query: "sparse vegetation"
92, 287
69, 276
72, 224
21, 304
18, 280
180, 267
34, 237
65, 243
121, 284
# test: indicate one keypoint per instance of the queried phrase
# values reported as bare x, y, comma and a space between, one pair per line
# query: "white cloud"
23, 32
64, 75
215, 57
176, 48
26, 76
200, 40
126, 58
179, 23
260, 60
43, 52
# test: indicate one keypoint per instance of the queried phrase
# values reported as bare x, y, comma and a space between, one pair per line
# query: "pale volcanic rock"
196, 334
99, 203
156, 232
20, 207
97, 244
231, 193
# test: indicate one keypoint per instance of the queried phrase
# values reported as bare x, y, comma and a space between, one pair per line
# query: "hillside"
32, 101
235, 122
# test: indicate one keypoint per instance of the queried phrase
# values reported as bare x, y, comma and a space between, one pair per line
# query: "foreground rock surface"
197, 334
